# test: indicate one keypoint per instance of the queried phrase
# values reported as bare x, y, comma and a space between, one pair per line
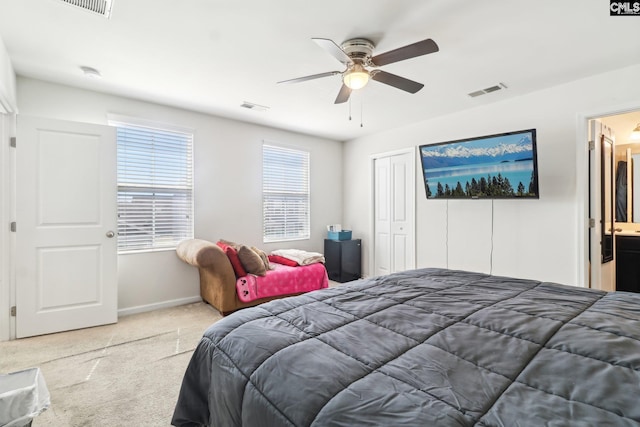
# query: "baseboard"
158, 305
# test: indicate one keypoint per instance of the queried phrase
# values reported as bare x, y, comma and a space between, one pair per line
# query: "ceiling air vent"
101, 7
499, 86
252, 106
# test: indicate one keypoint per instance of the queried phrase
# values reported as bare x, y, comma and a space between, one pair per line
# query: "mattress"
426, 347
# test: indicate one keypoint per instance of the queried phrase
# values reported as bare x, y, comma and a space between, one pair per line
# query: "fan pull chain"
349, 108
361, 108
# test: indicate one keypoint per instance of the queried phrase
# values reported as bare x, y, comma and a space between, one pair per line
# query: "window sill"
144, 251
286, 240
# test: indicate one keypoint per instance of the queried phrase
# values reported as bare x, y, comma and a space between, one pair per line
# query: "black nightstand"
343, 259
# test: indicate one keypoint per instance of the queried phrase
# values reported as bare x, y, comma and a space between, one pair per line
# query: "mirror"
606, 198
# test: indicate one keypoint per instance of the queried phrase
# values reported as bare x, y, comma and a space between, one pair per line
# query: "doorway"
7, 238
614, 248
393, 208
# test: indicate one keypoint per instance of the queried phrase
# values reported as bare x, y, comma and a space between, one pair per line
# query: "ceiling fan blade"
335, 50
397, 81
311, 77
410, 51
343, 95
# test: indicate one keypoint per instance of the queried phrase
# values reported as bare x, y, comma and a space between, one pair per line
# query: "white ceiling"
211, 55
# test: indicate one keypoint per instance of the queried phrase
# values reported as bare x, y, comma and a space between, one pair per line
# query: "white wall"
7, 82
531, 238
227, 183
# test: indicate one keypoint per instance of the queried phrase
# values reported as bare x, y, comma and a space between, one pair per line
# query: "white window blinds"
285, 194
155, 189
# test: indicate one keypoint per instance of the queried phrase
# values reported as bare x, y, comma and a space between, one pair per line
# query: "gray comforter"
426, 347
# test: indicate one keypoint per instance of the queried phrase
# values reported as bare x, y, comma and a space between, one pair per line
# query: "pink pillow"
282, 260
232, 254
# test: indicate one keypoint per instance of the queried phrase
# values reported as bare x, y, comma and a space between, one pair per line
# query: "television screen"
494, 167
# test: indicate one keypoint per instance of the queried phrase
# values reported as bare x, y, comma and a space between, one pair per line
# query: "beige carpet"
128, 373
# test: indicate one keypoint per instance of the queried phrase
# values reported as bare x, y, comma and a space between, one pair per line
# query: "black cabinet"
628, 263
343, 259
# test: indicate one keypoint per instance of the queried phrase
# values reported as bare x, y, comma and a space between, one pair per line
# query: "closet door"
394, 212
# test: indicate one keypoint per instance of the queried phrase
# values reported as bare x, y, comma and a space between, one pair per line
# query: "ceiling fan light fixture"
635, 134
356, 78
356, 55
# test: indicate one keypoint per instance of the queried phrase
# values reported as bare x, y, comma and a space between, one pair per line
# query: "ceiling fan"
356, 56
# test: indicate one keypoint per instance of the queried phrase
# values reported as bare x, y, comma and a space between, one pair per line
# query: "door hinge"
592, 223
12, 142
592, 145
13, 311
13, 227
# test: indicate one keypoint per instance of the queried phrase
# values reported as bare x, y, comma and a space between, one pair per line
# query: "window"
155, 188
285, 194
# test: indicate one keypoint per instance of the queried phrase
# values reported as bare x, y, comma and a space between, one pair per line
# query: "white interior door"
382, 217
394, 213
66, 256
602, 274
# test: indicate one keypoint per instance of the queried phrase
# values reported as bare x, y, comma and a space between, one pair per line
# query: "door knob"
110, 234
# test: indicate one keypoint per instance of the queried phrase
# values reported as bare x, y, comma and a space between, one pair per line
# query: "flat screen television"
497, 166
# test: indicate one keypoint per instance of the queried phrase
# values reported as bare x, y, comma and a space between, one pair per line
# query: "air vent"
252, 106
499, 86
101, 7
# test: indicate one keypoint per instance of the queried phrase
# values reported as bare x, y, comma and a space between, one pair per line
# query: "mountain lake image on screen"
494, 167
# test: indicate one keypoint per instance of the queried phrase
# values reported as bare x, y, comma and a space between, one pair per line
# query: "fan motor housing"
359, 50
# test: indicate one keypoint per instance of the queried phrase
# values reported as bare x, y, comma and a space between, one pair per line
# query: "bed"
427, 347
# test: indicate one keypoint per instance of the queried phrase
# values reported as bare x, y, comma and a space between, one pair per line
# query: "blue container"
339, 235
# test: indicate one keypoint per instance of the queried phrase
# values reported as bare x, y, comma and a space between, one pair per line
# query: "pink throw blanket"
282, 280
